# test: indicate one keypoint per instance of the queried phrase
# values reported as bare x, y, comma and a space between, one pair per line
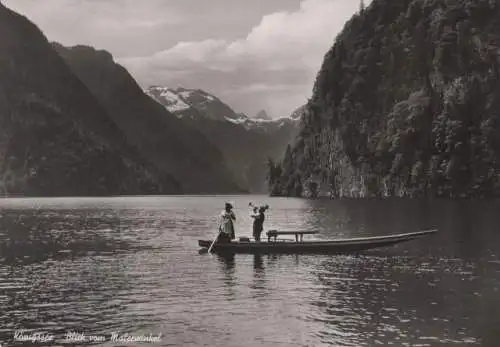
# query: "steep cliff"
165, 141
55, 138
406, 104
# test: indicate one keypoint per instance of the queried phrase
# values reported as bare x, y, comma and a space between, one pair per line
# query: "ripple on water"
132, 266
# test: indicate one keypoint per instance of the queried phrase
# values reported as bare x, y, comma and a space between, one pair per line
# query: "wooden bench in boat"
275, 233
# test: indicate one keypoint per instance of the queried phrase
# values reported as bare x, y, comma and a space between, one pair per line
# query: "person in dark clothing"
258, 222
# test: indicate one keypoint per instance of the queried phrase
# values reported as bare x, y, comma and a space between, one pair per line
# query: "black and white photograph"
246, 173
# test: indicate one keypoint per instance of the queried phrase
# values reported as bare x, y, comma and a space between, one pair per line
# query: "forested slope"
163, 140
407, 103
55, 138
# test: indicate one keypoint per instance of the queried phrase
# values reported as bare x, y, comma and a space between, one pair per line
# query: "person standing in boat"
258, 221
255, 227
226, 228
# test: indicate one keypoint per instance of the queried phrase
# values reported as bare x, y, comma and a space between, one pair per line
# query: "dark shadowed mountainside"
55, 138
245, 142
246, 151
165, 141
407, 103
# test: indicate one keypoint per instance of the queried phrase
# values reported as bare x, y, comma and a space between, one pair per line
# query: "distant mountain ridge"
165, 141
195, 103
262, 115
247, 143
190, 103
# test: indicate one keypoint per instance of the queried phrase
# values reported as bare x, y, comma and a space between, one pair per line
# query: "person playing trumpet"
258, 220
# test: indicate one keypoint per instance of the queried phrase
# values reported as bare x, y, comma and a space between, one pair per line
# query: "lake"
130, 266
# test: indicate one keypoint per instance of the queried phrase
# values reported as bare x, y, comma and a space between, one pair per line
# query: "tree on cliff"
406, 103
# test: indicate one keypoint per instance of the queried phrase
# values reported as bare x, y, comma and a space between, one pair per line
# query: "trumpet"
251, 204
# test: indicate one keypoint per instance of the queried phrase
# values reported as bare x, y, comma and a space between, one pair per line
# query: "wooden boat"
336, 246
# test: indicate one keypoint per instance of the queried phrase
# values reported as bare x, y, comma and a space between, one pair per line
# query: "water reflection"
355, 296
227, 260
356, 218
258, 263
387, 293
227, 268
259, 283
35, 236
57, 298
63, 271
133, 267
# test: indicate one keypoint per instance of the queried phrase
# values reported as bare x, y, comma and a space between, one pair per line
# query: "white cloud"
261, 87
97, 14
271, 64
195, 52
114, 25
277, 61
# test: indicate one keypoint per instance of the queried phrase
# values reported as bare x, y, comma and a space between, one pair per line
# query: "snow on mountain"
262, 115
185, 94
172, 101
176, 103
246, 142
194, 103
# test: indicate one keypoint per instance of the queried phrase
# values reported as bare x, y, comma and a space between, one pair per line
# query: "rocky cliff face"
405, 104
55, 138
168, 143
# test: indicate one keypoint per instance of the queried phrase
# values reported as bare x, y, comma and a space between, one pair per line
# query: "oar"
213, 242
204, 250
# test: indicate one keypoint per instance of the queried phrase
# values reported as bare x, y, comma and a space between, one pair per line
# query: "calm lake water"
131, 266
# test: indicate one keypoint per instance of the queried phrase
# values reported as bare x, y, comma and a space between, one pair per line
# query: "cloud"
274, 66
135, 28
109, 24
253, 53
98, 14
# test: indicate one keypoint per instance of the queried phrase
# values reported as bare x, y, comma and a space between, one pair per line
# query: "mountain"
262, 115
405, 104
245, 142
190, 103
196, 103
299, 113
55, 138
164, 140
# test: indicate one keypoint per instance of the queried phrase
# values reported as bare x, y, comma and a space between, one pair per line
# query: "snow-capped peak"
177, 100
262, 115
195, 103
175, 103
191, 103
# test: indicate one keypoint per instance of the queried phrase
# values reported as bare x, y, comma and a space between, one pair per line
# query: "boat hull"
340, 246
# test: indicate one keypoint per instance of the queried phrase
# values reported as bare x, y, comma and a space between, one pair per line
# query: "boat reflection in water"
336, 298
258, 263
130, 265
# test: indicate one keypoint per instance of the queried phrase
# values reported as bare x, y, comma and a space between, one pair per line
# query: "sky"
252, 54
